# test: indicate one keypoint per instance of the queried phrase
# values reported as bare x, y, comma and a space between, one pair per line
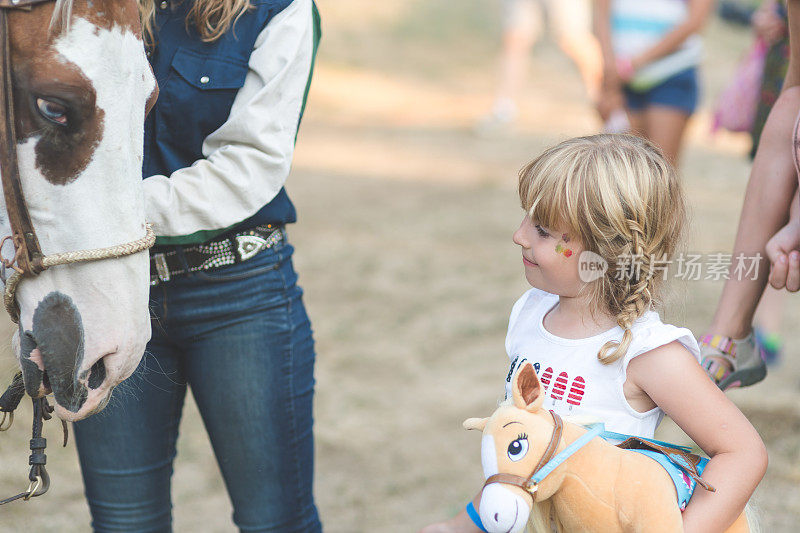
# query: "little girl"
603, 217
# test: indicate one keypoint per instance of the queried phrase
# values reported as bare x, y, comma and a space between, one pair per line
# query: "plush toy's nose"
503, 510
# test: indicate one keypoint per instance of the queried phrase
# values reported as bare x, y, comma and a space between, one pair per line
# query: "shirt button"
204, 80
164, 4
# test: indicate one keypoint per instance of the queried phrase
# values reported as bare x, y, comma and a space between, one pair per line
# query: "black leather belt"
166, 262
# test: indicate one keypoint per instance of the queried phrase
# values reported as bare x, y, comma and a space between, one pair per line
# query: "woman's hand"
783, 250
767, 24
610, 99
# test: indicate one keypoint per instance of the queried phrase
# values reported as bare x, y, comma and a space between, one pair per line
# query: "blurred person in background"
228, 316
769, 225
651, 53
523, 23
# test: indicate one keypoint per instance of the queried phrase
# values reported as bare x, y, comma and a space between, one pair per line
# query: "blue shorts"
679, 91
684, 484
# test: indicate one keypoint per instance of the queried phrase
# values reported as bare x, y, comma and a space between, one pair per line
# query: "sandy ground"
405, 253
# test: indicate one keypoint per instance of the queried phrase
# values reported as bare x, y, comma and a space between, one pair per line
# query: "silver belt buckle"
249, 245
161, 266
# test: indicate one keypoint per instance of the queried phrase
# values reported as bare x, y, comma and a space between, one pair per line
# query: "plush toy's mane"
543, 518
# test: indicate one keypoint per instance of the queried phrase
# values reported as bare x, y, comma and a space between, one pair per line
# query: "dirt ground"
404, 250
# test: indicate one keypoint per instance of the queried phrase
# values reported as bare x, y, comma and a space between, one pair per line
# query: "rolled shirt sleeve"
247, 160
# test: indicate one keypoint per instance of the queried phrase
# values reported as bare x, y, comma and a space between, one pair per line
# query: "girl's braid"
635, 294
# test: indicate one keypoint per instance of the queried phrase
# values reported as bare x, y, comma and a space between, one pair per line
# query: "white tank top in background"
637, 25
574, 381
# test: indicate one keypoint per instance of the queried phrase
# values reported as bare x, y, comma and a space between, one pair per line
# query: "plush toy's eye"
518, 448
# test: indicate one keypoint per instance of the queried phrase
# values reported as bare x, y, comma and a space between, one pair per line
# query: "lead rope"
38, 476
10, 400
80, 256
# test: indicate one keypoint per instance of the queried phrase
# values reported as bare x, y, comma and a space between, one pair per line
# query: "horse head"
515, 438
82, 86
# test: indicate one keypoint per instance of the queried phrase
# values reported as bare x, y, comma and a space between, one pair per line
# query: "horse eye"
52, 111
517, 449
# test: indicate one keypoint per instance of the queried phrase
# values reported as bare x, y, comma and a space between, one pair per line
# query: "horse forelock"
102, 13
62, 14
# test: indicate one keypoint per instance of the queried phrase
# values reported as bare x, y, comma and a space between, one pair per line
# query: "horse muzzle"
52, 352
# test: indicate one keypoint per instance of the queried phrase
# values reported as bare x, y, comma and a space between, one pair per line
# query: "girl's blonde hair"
621, 198
211, 18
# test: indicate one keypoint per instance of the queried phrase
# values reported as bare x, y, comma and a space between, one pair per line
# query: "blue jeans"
238, 336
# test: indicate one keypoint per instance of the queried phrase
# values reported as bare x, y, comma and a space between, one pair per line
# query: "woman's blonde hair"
621, 198
211, 18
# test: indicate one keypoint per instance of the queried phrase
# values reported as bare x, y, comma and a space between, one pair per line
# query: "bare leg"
585, 53
767, 324
769, 313
637, 121
521, 31
571, 24
513, 63
665, 126
766, 206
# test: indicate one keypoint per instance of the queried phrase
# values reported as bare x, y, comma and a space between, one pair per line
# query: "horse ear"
526, 388
475, 423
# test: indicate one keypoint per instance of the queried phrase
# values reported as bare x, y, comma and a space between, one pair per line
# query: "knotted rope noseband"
80, 256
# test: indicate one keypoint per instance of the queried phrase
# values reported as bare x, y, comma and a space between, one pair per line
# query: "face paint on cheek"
563, 249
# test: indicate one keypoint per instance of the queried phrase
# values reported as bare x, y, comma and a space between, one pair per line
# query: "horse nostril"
496, 517
97, 374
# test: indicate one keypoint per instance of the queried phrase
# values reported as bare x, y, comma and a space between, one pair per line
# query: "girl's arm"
699, 11
671, 377
461, 523
601, 23
610, 97
767, 23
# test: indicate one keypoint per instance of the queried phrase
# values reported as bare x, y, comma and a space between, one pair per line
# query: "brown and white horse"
82, 86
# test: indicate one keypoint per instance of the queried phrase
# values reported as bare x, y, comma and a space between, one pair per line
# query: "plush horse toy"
576, 479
